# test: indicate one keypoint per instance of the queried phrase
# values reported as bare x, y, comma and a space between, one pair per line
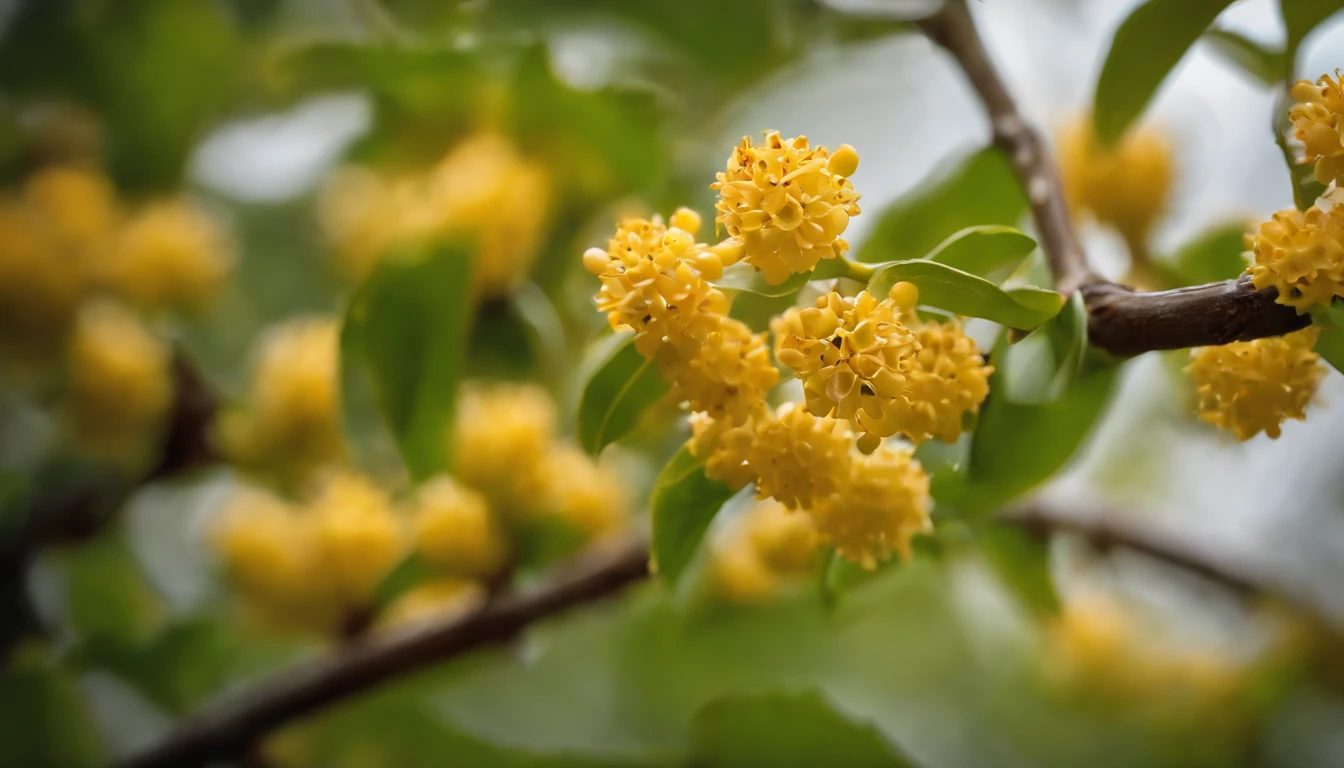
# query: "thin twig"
953, 29
232, 725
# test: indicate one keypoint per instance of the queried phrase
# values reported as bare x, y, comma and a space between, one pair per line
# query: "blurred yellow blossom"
787, 202
291, 423
877, 509
357, 534
583, 494
501, 436
171, 254
798, 458
455, 530
120, 383
483, 190
79, 206
437, 599
1126, 186
757, 551
947, 379
1250, 387
1318, 122
1301, 254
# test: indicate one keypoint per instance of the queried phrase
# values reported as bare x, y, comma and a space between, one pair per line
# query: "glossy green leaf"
178, 669
962, 293
107, 594
1302, 16
622, 386
1266, 66
786, 730
1147, 46
1022, 562
1018, 446
1215, 255
683, 504
413, 315
1330, 344
984, 250
978, 190
744, 277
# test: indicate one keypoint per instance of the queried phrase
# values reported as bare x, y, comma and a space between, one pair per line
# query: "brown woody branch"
1121, 322
227, 729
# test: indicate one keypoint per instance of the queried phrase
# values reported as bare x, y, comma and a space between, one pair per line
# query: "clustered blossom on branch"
870, 368
1318, 122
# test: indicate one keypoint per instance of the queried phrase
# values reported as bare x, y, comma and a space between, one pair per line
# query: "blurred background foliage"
988, 647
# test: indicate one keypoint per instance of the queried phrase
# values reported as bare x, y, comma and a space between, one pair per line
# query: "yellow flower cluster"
1301, 255
120, 384
866, 506
313, 565
1318, 122
1126, 186
858, 360
291, 425
504, 446
760, 550
1097, 645
787, 202
655, 281
483, 190
170, 255
1250, 387
455, 531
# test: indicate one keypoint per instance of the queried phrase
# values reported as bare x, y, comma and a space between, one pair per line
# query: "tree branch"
232, 725
1121, 321
953, 29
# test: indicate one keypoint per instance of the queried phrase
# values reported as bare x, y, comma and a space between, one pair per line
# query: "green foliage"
963, 293
984, 250
106, 594
46, 721
176, 670
408, 324
1330, 344
622, 386
683, 504
1146, 47
746, 278
1302, 16
787, 729
979, 190
157, 71
1265, 65
1022, 563
1215, 255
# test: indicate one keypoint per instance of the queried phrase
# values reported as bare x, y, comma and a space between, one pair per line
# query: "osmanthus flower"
434, 600
724, 445
877, 508
1250, 387
799, 458
586, 496
310, 565
1302, 255
120, 384
655, 281
1318, 122
851, 355
946, 379
290, 425
79, 206
455, 531
171, 255
502, 436
753, 556
787, 202
1126, 186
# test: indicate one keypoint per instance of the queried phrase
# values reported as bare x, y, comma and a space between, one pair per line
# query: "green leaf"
412, 319
1213, 256
744, 277
182, 666
1302, 16
683, 504
46, 720
1022, 562
983, 250
1146, 47
1261, 63
782, 730
962, 293
410, 573
622, 386
981, 189
1330, 344
1018, 446
107, 595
